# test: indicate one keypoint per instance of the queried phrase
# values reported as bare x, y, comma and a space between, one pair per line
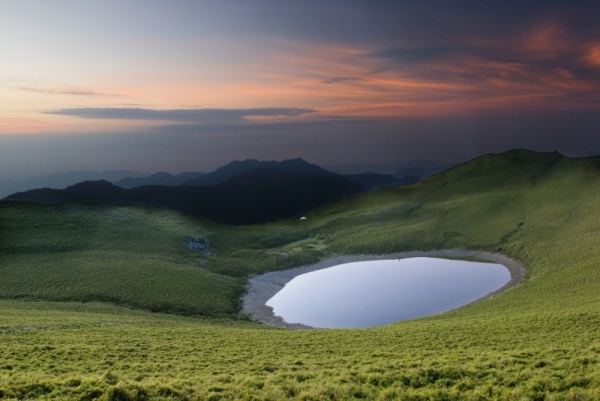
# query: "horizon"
159, 171
162, 86
359, 166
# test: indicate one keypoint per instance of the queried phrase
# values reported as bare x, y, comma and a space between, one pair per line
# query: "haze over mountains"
252, 197
63, 180
369, 180
222, 174
241, 192
160, 178
128, 179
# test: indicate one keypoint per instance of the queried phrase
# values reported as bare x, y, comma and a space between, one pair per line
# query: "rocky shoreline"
262, 287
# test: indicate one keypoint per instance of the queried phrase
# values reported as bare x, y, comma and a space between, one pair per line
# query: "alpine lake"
379, 292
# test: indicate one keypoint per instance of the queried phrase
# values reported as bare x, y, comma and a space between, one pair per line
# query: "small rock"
198, 244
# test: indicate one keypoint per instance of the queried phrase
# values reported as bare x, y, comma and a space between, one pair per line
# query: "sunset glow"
371, 63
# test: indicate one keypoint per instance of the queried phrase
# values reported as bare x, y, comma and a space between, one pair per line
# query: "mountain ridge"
253, 197
238, 167
159, 178
62, 180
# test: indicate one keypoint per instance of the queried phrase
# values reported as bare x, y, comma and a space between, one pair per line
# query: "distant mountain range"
415, 168
369, 181
222, 174
166, 179
252, 197
130, 179
241, 192
63, 180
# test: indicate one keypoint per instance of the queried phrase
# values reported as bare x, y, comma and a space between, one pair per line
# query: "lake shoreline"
263, 287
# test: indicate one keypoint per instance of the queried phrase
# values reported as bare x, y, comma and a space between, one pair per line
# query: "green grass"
79, 284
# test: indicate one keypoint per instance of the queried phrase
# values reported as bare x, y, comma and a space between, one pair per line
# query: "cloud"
180, 115
413, 55
336, 80
593, 56
542, 68
70, 91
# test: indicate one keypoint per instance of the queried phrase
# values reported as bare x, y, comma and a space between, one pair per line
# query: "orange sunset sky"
187, 85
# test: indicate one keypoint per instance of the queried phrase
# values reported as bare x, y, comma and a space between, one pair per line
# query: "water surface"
373, 293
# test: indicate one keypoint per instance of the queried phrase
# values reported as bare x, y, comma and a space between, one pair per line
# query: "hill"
538, 341
418, 174
390, 168
252, 197
374, 182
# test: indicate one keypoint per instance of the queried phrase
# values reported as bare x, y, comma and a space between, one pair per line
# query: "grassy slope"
537, 340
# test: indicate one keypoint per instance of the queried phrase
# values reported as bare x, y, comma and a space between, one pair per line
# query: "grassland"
80, 283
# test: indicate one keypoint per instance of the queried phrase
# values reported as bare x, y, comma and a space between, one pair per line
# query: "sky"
191, 85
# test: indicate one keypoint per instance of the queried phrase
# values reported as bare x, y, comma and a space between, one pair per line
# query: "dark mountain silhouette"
62, 180
253, 197
159, 178
242, 192
236, 168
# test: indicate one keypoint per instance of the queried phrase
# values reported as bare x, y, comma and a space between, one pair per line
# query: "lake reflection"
374, 293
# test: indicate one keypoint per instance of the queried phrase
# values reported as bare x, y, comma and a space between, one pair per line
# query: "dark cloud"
180, 115
336, 80
70, 92
414, 22
413, 55
571, 58
547, 66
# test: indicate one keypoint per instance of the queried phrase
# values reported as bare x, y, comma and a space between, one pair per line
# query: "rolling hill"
79, 282
374, 182
391, 168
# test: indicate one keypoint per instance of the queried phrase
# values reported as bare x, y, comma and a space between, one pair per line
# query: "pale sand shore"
263, 287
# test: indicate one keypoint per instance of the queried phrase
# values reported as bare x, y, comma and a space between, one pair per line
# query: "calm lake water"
365, 294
